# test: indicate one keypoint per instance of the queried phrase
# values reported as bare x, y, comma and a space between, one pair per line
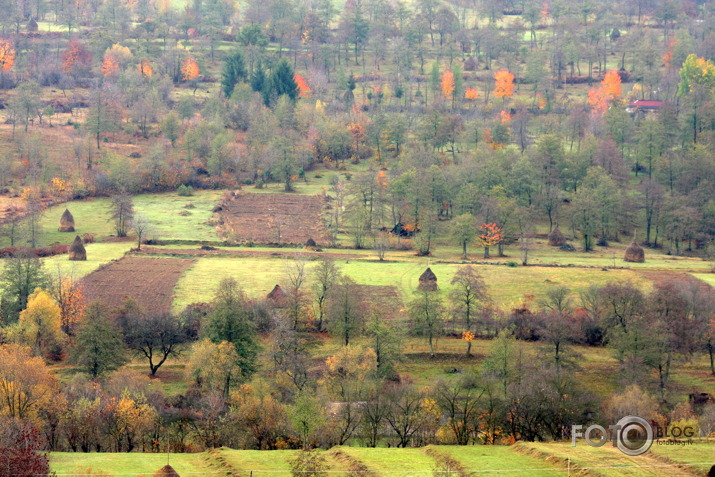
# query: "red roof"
646, 104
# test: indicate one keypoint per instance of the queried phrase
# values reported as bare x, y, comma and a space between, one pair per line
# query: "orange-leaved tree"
503, 84
76, 55
110, 66
471, 93
68, 294
489, 235
611, 85
608, 91
447, 84
598, 101
468, 336
189, 69
303, 88
7, 59
7, 55
145, 69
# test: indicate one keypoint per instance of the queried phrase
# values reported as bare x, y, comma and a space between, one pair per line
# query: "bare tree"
296, 276
326, 273
468, 295
122, 213
142, 228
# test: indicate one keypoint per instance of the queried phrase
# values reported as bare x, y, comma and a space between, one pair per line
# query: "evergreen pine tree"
234, 70
283, 82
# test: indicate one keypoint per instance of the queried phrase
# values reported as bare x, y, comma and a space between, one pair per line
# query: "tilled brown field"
149, 282
272, 218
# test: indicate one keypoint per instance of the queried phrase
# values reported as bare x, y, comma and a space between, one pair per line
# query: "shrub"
512, 264
185, 191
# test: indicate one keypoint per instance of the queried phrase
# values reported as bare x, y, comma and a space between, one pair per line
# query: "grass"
97, 255
493, 460
698, 455
507, 285
609, 461
162, 211
70, 463
524, 459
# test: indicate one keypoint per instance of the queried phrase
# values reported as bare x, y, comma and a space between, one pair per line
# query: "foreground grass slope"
523, 459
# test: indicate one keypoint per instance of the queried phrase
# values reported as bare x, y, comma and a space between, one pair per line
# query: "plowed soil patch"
149, 282
272, 218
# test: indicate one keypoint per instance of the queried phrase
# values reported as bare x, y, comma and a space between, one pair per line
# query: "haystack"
277, 294
77, 250
310, 243
428, 281
166, 471
66, 222
556, 238
634, 253
32, 26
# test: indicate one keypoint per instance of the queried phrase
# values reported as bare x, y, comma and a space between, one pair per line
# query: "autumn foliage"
447, 84
110, 66
489, 235
609, 90
76, 55
611, 84
7, 55
145, 69
72, 303
471, 93
190, 69
503, 84
303, 88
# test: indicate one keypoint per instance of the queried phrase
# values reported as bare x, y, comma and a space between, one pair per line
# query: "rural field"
177, 271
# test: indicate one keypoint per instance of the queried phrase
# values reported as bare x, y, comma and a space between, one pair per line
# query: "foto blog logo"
632, 435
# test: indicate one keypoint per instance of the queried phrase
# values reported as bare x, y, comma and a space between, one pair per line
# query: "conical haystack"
32, 26
557, 238
310, 243
277, 294
634, 253
166, 471
428, 280
77, 250
66, 222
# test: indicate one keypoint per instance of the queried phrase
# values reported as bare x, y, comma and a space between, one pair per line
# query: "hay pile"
428, 281
310, 244
77, 250
634, 253
557, 238
166, 471
277, 295
66, 222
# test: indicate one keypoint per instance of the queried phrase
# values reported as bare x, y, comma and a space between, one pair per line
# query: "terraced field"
523, 459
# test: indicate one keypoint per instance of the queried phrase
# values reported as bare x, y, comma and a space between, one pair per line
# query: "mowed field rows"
149, 282
523, 459
272, 218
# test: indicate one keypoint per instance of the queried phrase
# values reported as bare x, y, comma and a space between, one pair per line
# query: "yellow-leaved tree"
214, 366
39, 325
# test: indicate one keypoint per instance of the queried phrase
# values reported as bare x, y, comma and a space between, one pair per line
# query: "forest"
544, 167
